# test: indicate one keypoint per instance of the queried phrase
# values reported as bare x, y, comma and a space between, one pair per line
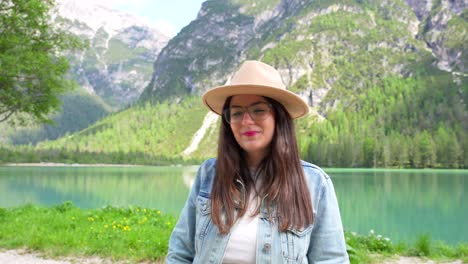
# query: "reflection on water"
164, 188
404, 204
188, 175
397, 204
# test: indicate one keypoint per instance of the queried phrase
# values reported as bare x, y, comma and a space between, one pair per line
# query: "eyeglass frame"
227, 117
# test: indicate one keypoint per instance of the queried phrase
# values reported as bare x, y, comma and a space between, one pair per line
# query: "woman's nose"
246, 118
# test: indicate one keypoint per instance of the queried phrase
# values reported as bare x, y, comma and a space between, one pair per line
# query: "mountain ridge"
188, 71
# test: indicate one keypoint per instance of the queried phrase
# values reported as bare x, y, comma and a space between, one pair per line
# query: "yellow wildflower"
142, 221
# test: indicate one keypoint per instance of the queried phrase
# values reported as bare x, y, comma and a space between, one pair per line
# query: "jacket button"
267, 247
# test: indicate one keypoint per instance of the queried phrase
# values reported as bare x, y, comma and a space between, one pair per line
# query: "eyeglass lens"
257, 112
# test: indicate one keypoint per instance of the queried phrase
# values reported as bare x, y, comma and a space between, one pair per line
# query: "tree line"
417, 122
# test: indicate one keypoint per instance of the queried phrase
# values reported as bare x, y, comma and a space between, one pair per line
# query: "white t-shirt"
242, 244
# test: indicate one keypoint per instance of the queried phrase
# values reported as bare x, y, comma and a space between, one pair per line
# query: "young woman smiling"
257, 202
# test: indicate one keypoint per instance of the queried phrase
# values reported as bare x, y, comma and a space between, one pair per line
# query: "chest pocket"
203, 221
295, 244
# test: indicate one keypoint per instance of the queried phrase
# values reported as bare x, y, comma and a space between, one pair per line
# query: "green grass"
132, 234
135, 234
373, 247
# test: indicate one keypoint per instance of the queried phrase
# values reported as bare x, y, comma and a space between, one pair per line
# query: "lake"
399, 204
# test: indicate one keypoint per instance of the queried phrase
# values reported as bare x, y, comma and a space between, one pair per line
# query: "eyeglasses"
257, 111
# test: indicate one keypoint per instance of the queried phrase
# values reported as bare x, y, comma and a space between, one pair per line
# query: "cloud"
112, 3
122, 4
129, 4
165, 27
147, 10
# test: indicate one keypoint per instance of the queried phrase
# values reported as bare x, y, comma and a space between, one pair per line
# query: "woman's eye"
259, 110
236, 113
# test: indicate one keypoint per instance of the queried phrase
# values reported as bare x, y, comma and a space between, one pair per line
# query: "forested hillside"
79, 110
386, 82
413, 122
144, 134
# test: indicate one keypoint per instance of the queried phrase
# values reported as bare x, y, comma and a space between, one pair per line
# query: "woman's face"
254, 136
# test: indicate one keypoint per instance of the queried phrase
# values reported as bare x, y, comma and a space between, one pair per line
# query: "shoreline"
331, 169
54, 164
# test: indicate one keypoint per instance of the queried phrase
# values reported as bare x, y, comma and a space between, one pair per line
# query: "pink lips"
250, 133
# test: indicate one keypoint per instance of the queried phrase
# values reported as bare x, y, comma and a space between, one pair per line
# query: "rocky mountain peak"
118, 64
98, 16
442, 29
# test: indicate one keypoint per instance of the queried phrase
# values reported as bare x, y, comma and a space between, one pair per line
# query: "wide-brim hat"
257, 78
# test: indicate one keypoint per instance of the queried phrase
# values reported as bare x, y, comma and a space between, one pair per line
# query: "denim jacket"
195, 239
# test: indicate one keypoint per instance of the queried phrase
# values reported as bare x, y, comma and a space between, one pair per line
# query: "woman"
258, 202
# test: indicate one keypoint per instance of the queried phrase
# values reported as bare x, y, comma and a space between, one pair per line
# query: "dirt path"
414, 260
24, 257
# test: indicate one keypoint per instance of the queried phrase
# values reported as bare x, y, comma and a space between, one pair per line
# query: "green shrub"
423, 245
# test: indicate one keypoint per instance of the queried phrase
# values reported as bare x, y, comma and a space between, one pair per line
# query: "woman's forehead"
246, 99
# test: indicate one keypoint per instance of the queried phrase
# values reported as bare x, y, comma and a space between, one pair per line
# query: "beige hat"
258, 78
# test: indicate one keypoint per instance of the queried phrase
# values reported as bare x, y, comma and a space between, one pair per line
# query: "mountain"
117, 66
442, 25
111, 73
313, 43
386, 82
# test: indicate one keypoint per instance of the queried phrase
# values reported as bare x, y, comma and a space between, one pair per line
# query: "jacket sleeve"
327, 242
181, 243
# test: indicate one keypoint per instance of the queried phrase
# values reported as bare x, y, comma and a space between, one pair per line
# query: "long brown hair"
283, 183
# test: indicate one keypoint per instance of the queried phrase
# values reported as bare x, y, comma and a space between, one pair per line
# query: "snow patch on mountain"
94, 17
209, 120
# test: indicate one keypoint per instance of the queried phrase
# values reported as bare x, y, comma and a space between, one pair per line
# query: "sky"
172, 15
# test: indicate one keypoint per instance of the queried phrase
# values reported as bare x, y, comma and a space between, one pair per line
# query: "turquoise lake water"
399, 204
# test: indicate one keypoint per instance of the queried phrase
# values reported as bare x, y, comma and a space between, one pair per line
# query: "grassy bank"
372, 248
132, 233
137, 234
